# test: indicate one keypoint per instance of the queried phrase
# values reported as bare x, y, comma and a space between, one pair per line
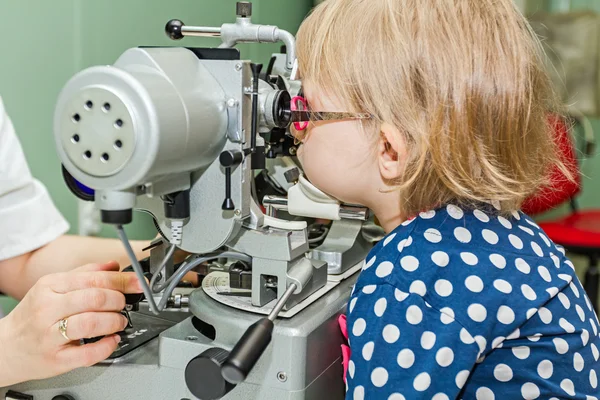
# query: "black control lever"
258, 154
229, 159
253, 343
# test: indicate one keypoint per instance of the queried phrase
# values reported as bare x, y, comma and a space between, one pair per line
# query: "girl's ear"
391, 152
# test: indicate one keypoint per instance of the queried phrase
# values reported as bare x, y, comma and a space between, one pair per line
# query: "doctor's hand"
34, 343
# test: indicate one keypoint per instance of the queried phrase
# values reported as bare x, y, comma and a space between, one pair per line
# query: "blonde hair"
462, 80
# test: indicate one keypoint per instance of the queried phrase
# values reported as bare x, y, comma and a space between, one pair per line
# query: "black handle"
173, 29
203, 375
229, 159
247, 351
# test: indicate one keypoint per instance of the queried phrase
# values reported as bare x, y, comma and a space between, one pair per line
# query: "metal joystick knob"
229, 159
203, 375
173, 29
243, 9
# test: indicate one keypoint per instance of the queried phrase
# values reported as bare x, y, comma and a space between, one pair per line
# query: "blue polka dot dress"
467, 304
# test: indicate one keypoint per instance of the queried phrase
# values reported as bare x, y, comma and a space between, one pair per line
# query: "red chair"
578, 232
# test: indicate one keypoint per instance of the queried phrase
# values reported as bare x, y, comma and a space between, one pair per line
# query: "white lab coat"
28, 217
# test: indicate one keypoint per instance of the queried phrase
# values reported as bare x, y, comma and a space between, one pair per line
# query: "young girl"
446, 134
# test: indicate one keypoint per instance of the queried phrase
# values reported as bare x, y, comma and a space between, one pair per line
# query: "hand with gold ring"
40, 338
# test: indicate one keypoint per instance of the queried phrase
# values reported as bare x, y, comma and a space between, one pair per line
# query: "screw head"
237, 213
238, 66
231, 103
281, 376
293, 151
191, 338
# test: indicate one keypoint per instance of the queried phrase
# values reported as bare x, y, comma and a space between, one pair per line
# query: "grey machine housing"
155, 123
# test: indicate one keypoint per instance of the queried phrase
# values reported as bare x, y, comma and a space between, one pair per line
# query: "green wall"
43, 43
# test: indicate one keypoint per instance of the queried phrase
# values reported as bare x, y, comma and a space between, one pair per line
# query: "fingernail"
118, 339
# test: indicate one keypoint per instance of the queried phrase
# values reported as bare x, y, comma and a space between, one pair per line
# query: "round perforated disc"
97, 132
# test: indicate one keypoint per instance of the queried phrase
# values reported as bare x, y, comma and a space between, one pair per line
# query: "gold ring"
62, 328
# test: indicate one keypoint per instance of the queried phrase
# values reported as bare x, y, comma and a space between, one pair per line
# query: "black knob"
292, 175
203, 375
243, 9
173, 29
247, 351
63, 397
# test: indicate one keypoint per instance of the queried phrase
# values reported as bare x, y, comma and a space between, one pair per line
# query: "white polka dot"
408, 242
380, 306
545, 369
462, 235
565, 277
400, 295
433, 235
514, 335
528, 292
586, 398
545, 315
595, 352
389, 239
552, 291
477, 312
409, 263
474, 284
396, 396
566, 325
447, 315
574, 289
481, 342
570, 264
526, 229
561, 345
370, 263
443, 287
521, 352
502, 286
555, 260
587, 301
406, 358
567, 386
359, 393
352, 304
454, 211
503, 373
428, 214
516, 215
537, 249
585, 337
428, 340
506, 223
578, 362
593, 324
384, 269
506, 315
530, 391
469, 258
418, 287
534, 338
544, 238
530, 222
490, 236
562, 251
531, 312
440, 396
593, 379
422, 382
481, 216
498, 261
414, 315
461, 378
498, 342
484, 393
391, 333
359, 327
440, 258
408, 222
466, 337
444, 356
515, 241
580, 312
367, 351
564, 300
544, 273
369, 289
401, 245
379, 377
522, 266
